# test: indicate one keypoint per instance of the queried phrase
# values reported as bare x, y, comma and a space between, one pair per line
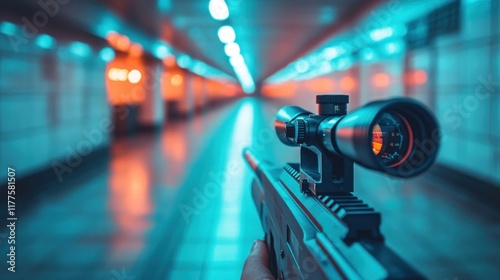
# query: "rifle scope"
397, 136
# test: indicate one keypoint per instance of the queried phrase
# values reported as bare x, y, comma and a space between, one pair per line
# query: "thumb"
257, 263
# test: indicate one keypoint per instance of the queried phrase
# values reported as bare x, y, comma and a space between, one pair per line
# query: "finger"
257, 263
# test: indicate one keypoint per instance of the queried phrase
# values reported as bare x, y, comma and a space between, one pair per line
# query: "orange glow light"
377, 140
284, 90
415, 78
112, 37
134, 76
135, 50
381, 80
125, 82
176, 80
321, 85
173, 85
347, 83
123, 43
170, 61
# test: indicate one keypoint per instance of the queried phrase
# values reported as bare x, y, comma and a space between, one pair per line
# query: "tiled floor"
178, 206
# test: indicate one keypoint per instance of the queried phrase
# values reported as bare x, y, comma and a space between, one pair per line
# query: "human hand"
257, 264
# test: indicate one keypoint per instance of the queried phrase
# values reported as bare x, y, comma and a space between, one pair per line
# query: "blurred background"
125, 122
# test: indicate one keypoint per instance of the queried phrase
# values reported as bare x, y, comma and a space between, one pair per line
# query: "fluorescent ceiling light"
232, 49
161, 51
237, 60
107, 54
218, 9
226, 34
381, 34
45, 41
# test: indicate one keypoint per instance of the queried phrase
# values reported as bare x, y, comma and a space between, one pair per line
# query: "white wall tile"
476, 61
13, 115
38, 115
448, 65
479, 160
475, 19
448, 152
70, 107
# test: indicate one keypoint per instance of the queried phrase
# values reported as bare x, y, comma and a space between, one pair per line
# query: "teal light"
332, 52
218, 9
226, 34
367, 54
394, 47
80, 49
199, 68
107, 54
184, 61
161, 51
165, 5
237, 61
232, 49
8, 28
45, 41
381, 34
301, 66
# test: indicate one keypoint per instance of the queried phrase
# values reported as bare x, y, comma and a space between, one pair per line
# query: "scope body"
398, 136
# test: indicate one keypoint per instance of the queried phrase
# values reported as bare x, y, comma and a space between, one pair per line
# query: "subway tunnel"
123, 126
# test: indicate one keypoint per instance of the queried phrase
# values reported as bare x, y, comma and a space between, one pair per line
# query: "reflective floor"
177, 205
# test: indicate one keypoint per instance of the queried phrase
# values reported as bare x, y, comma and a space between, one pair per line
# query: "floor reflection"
129, 204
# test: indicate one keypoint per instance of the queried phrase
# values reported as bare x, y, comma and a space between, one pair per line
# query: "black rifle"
315, 228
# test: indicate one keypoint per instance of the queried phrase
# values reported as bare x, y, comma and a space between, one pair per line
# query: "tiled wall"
467, 86
49, 99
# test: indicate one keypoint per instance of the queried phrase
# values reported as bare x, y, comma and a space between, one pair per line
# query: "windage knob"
332, 104
332, 99
300, 131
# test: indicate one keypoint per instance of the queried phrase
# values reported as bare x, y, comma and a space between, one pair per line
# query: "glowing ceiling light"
184, 61
331, 53
218, 9
80, 49
161, 51
122, 75
165, 5
381, 80
393, 47
176, 80
226, 34
302, 66
367, 54
134, 76
347, 83
116, 74
107, 54
45, 41
113, 74
135, 50
8, 28
170, 61
232, 49
381, 34
237, 60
